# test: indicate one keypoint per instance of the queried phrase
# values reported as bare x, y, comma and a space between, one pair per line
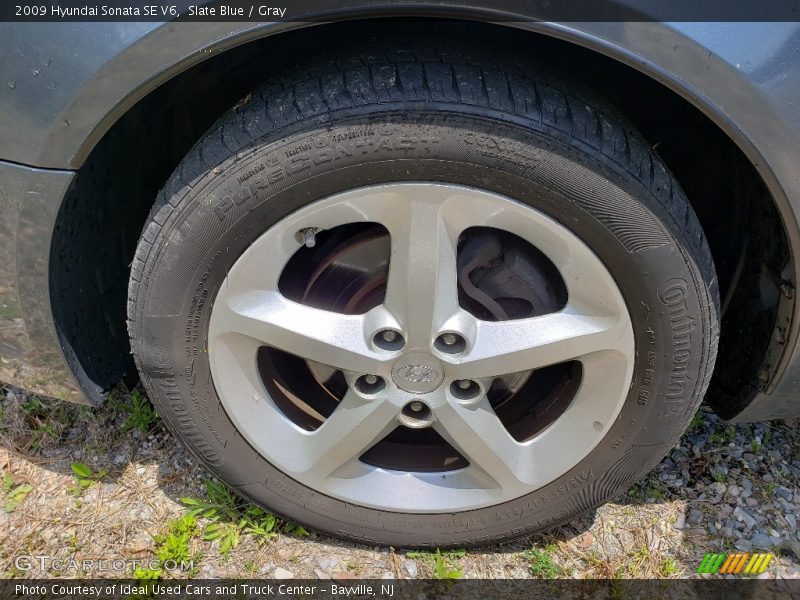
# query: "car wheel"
433, 298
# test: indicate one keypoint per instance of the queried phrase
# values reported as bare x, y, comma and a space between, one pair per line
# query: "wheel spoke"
326, 337
421, 292
509, 346
480, 437
353, 427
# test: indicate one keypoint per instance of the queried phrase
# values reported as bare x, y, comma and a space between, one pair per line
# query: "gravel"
411, 568
743, 490
281, 573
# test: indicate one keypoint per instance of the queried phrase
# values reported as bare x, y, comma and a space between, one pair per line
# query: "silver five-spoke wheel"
418, 359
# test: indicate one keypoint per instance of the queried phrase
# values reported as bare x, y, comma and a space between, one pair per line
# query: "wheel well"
100, 220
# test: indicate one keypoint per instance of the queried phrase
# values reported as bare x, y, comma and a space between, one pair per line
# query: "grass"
442, 565
230, 517
633, 567
140, 574
38, 422
34, 406
85, 477
642, 491
250, 566
635, 491
769, 489
541, 564
14, 493
174, 544
696, 422
669, 567
726, 436
141, 414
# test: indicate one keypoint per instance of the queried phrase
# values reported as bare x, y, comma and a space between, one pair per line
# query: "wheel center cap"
418, 373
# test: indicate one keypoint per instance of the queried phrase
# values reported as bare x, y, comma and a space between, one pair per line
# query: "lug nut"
389, 339
416, 415
369, 384
465, 389
451, 343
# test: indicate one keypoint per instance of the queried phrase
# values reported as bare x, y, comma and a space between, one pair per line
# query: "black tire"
431, 114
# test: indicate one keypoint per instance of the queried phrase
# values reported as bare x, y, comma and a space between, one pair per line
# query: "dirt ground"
112, 483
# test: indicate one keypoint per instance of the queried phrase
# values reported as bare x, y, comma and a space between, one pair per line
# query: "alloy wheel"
412, 366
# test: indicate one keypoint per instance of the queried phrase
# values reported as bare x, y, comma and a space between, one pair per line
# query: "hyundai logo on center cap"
418, 373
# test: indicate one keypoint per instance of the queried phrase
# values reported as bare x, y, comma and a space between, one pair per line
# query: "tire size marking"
650, 360
625, 433
508, 148
538, 501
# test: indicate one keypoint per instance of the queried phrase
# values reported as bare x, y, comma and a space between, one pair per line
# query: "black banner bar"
238, 589
326, 10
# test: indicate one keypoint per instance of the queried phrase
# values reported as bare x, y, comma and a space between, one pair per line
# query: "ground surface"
114, 484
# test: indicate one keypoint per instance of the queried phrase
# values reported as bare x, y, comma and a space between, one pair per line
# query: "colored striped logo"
742, 563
